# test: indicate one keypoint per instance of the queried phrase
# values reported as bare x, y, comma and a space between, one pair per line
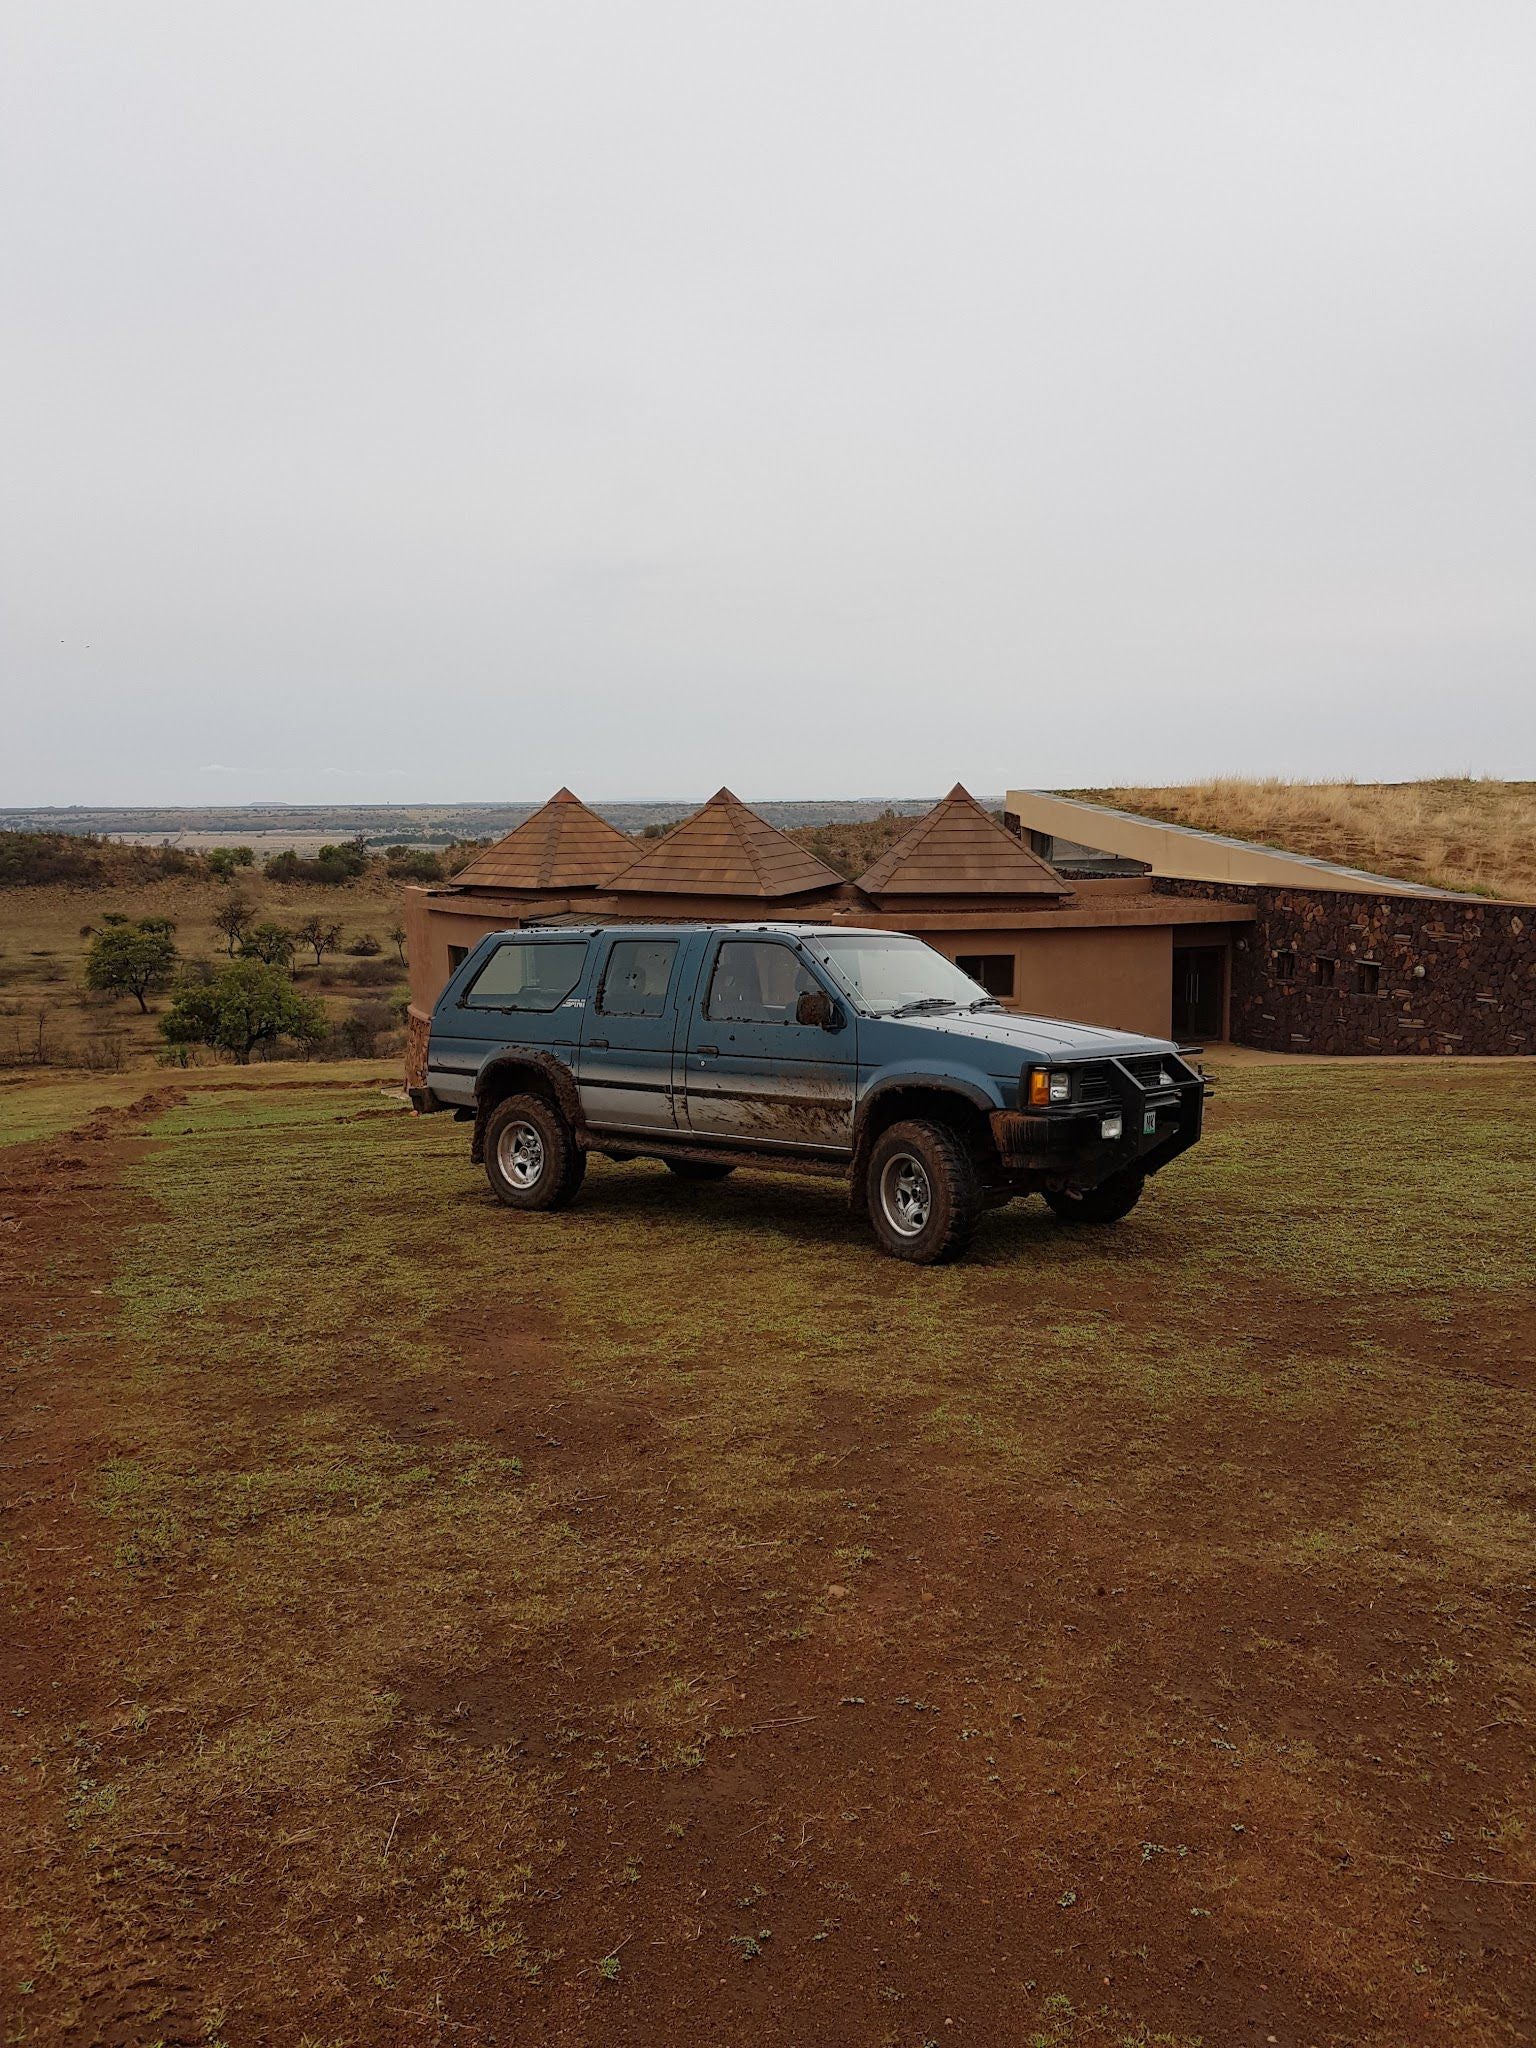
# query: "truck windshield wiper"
986, 1003
924, 1003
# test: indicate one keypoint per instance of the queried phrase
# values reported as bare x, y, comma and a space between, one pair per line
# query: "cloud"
216, 768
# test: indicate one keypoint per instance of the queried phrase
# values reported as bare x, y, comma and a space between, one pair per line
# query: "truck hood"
1015, 1037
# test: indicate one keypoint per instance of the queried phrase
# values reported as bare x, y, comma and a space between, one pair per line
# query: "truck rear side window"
636, 977
528, 974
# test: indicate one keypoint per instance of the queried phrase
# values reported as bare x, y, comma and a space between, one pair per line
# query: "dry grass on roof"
1452, 834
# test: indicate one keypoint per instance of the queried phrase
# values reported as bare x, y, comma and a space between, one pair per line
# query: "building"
1334, 960
1065, 909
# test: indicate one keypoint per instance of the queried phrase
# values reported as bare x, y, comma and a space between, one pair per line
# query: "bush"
365, 1024
223, 861
364, 947
413, 864
246, 1004
371, 973
332, 866
31, 860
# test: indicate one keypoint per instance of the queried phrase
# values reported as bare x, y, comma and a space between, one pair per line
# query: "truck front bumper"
1140, 1128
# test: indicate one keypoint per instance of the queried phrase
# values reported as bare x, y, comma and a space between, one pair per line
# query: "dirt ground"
671, 1622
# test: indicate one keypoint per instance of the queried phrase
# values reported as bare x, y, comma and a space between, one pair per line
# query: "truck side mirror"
817, 1007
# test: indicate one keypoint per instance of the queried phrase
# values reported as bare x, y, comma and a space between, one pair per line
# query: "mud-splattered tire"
1107, 1203
922, 1193
532, 1160
699, 1169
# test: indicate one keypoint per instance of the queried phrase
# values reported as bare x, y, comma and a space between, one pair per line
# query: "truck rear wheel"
922, 1192
1107, 1203
532, 1160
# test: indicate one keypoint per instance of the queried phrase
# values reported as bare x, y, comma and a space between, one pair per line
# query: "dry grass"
669, 1621
1452, 834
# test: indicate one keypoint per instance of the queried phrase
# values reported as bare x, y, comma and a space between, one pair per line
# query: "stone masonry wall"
1451, 974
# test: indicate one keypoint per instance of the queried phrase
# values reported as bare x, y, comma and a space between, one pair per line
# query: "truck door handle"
595, 1042
708, 1048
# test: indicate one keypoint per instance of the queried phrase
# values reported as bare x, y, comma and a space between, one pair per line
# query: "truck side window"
636, 977
755, 982
528, 974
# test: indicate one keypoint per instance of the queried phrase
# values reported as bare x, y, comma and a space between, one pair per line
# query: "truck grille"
1096, 1083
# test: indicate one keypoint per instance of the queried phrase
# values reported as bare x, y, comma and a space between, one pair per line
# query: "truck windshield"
885, 974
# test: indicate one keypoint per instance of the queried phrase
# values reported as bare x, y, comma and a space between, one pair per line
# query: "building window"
1285, 965
1325, 967
457, 955
993, 970
1367, 978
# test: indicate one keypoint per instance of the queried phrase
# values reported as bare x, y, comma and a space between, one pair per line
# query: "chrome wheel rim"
906, 1194
520, 1155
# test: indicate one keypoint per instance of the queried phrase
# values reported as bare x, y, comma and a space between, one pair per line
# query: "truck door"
752, 1072
624, 1069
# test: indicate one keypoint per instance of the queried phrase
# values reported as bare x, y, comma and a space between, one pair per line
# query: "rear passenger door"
627, 1047
752, 1071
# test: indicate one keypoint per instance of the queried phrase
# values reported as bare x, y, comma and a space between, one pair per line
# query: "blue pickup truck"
804, 1048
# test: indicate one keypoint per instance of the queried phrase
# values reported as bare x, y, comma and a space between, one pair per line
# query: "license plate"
1149, 1123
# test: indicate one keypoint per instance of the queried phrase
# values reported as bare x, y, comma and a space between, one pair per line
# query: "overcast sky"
451, 401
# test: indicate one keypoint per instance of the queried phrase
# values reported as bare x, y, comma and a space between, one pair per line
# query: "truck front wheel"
532, 1160
1107, 1203
922, 1192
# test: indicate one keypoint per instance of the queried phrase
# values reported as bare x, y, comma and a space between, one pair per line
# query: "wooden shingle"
725, 850
956, 849
562, 846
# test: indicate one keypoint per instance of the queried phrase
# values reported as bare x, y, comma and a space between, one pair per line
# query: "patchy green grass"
670, 1618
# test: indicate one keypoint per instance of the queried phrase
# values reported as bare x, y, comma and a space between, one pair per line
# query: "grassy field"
43, 942
669, 1621
1452, 834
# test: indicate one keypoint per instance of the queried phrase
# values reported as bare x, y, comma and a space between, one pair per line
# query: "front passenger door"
752, 1071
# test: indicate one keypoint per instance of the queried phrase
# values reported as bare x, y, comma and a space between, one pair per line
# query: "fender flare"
936, 1081
557, 1077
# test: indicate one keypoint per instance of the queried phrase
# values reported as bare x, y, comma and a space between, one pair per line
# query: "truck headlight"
1048, 1085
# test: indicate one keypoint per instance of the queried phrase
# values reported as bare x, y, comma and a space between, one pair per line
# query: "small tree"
246, 1004
233, 921
128, 958
268, 942
397, 940
320, 937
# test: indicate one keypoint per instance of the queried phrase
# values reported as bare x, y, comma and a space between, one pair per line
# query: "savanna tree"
246, 1004
269, 942
320, 937
132, 957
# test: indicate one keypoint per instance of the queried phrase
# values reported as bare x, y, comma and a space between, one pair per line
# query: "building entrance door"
1199, 989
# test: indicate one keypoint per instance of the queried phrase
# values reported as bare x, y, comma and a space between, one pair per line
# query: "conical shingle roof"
957, 850
562, 846
726, 850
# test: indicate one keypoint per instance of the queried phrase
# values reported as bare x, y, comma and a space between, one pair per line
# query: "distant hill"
269, 828
1451, 834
